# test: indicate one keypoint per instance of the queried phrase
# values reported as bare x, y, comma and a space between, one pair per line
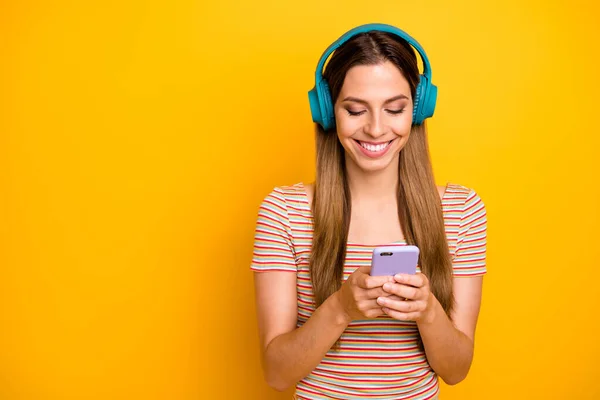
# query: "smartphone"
392, 260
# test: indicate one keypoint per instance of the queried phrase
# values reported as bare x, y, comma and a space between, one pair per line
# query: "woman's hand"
409, 298
358, 295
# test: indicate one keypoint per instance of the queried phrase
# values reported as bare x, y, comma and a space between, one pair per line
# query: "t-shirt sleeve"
470, 256
273, 247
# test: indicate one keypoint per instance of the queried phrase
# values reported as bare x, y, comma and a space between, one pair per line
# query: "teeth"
374, 148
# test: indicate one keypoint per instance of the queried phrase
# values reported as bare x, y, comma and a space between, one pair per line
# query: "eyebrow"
357, 100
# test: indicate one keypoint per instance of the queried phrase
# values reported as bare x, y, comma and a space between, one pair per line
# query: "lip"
373, 154
373, 143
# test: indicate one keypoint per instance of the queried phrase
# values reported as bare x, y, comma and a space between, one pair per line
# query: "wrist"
434, 309
341, 317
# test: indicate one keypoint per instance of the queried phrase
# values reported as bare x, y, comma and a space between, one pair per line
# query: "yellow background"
138, 138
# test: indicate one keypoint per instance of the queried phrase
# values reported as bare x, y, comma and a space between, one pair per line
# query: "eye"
355, 113
396, 112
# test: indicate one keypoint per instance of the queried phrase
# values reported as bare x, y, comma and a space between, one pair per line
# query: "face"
373, 115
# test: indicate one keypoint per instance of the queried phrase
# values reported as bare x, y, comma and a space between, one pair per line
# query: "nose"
375, 126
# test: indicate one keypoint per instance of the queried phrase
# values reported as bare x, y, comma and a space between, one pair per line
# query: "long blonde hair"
419, 205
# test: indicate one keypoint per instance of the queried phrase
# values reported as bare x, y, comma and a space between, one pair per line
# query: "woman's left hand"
411, 298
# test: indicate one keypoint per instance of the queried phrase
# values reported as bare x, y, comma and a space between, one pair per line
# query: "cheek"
347, 126
402, 126
403, 122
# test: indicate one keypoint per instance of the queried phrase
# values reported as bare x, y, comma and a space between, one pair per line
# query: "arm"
287, 353
290, 353
449, 347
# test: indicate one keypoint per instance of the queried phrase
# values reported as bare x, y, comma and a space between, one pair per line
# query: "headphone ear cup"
430, 101
315, 106
420, 98
326, 106
417, 102
425, 100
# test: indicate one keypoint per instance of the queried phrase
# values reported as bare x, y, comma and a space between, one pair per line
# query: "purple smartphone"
392, 260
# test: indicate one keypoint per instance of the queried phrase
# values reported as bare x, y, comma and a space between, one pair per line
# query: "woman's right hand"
358, 294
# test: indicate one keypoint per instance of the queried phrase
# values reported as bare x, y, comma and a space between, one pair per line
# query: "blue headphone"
321, 104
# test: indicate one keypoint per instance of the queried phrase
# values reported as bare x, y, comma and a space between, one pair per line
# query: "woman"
325, 324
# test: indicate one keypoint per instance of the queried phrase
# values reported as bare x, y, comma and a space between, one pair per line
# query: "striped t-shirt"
377, 358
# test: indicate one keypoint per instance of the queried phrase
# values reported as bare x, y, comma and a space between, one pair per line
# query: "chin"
374, 165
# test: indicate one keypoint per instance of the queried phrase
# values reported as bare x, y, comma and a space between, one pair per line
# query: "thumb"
363, 270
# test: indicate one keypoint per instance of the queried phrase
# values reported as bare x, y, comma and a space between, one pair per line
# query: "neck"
372, 186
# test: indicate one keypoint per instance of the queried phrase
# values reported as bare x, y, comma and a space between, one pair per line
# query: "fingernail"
380, 300
387, 286
399, 277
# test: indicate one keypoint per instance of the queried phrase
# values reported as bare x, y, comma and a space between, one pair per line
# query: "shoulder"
282, 196
454, 193
463, 203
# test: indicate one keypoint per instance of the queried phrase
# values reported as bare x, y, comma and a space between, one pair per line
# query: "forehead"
374, 82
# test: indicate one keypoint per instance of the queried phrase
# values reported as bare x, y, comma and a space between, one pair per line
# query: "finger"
361, 274
413, 316
369, 282
376, 292
416, 280
366, 305
394, 297
398, 304
374, 313
363, 270
403, 291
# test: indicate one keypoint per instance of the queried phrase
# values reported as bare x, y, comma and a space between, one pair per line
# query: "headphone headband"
367, 28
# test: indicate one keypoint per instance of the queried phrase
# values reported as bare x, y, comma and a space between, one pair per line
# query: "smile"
373, 149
